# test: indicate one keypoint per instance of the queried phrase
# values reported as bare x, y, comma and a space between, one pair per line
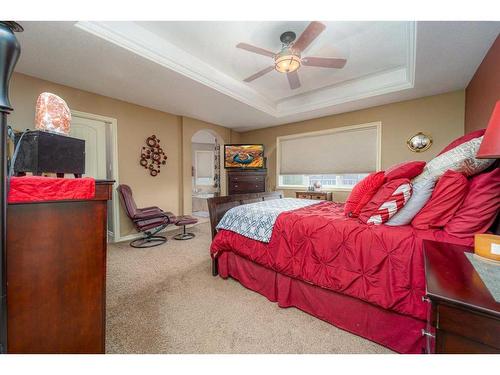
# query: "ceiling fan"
288, 60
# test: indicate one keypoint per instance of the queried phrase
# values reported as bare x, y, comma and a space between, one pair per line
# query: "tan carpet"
165, 300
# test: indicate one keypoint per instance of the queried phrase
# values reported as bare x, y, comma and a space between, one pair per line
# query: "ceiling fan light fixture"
287, 62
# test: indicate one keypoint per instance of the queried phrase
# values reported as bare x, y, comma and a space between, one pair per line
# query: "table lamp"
488, 245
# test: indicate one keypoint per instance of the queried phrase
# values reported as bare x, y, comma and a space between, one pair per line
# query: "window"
204, 168
337, 158
327, 181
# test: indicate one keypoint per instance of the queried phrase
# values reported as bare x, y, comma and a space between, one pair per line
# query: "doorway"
205, 172
101, 157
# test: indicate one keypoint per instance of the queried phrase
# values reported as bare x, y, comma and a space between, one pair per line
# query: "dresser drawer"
247, 187
475, 326
450, 343
314, 195
247, 178
318, 196
242, 182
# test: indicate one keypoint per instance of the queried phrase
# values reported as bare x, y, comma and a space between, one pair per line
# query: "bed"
365, 279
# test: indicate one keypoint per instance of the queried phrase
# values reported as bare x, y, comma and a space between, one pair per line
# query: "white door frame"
113, 126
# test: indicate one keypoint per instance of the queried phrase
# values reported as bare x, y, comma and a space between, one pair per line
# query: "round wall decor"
419, 142
152, 156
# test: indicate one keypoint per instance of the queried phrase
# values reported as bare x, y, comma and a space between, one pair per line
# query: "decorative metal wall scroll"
153, 156
217, 167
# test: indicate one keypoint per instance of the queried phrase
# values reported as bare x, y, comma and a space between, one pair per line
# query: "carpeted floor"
165, 300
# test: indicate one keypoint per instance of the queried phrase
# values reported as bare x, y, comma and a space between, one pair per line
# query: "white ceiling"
370, 47
193, 68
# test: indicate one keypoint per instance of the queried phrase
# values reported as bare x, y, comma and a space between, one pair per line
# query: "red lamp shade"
490, 146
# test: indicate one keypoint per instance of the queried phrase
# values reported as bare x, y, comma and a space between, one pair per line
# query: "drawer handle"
426, 299
235, 185
426, 333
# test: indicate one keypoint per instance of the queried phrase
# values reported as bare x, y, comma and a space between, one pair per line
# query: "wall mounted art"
153, 156
419, 142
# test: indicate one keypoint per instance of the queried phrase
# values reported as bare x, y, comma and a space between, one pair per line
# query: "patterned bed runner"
256, 220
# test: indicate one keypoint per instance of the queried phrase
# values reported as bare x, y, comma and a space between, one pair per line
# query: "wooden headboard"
218, 206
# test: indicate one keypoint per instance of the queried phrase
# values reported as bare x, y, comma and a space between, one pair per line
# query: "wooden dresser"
464, 317
246, 181
318, 195
56, 275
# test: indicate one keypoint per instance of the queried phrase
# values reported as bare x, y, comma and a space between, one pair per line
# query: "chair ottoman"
183, 221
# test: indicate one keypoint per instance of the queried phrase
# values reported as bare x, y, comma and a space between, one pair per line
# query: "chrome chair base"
184, 236
150, 241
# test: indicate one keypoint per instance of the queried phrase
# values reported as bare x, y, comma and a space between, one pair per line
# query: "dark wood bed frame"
218, 206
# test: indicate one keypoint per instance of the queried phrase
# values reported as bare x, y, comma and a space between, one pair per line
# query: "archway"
205, 170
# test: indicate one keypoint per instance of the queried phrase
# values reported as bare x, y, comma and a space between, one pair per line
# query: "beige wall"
441, 116
135, 124
189, 128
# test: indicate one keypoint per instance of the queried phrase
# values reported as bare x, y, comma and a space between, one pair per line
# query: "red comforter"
378, 264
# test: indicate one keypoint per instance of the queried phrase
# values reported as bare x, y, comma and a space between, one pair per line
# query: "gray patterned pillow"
459, 159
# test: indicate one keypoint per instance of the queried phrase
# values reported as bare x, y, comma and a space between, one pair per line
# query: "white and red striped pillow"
388, 200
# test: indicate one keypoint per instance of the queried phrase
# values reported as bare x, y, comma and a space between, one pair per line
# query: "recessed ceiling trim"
144, 43
137, 39
382, 82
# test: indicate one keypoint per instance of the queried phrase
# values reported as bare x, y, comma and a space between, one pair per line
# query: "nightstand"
464, 317
318, 195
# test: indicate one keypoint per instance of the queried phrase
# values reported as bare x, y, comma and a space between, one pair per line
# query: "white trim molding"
113, 236
137, 39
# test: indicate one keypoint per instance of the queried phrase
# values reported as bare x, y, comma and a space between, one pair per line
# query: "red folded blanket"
39, 189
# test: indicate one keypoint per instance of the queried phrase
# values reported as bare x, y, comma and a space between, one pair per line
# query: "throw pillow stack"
447, 193
460, 159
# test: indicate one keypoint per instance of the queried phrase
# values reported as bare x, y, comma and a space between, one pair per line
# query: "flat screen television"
243, 156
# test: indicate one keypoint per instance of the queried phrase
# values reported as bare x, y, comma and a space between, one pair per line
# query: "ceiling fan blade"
259, 74
310, 33
254, 49
293, 80
324, 62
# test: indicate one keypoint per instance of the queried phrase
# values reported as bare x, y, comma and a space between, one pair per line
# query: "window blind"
348, 150
204, 164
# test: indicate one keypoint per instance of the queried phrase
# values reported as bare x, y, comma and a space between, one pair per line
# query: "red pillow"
362, 193
390, 198
446, 198
480, 207
408, 169
463, 139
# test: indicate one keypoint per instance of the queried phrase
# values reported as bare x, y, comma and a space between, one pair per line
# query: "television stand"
242, 181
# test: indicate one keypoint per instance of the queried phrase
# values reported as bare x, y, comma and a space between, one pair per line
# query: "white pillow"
459, 159
422, 191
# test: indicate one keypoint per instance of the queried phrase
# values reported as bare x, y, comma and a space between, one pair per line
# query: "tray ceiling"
381, 57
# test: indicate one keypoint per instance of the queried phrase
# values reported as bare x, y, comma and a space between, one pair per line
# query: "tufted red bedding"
317, 244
